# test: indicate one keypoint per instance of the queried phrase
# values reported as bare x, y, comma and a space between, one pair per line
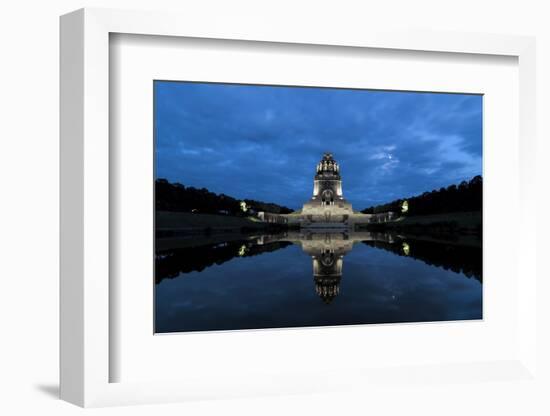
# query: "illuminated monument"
327, 208
327, 203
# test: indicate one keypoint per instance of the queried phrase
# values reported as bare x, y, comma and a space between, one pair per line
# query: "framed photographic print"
256, 226
264, 211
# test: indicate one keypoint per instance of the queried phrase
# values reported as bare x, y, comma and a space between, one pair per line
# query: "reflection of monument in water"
327, 250
327, 272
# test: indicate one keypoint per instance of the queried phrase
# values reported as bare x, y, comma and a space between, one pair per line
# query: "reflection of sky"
264, 142
277, 290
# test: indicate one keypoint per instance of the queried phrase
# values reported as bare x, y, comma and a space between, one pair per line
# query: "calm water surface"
319, 278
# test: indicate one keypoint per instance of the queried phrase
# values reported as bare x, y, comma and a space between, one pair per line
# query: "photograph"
218, 194
305, 206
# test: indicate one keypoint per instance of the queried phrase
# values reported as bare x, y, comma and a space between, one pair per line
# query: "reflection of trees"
171, 263
327, 251
459, 259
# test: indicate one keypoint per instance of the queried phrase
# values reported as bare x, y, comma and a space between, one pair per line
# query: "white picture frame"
85, 210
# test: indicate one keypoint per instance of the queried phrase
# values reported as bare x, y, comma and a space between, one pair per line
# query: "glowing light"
405, 207
406, 249
242, 250
244, 207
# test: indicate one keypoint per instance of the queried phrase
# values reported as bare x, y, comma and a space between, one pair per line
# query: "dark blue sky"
263, 142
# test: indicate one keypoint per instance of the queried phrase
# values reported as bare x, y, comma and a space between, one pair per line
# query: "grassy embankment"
166, 220
466, 223
181, 227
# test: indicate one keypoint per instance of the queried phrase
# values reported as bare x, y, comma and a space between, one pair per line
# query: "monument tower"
327, 205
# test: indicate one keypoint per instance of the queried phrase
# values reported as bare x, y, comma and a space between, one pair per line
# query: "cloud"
264, 142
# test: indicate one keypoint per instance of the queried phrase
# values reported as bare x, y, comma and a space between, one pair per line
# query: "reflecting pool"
306, 278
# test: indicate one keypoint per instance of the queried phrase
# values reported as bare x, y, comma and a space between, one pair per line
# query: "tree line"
467, 196
177, 197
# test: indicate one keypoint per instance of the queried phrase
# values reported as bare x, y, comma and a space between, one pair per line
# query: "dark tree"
177, 197
467, 196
